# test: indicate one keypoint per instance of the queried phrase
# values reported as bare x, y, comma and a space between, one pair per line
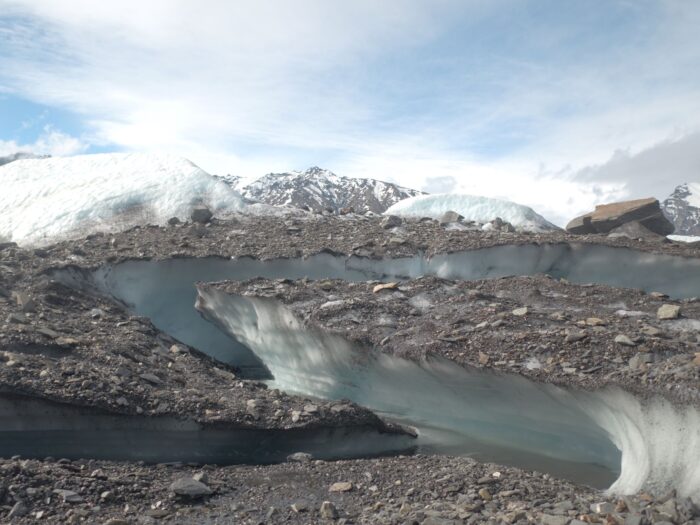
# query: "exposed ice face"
473, 208
46, 200
586, 437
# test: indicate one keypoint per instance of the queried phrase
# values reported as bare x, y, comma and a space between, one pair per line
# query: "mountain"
46, 200
473, 208
682, 208
318, 189
19, 156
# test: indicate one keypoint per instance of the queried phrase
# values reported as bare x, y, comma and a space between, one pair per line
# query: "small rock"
68, 496
640, 359
341, 486
595, 321
202, 477
549, 519
152, 378
190, 488
573, 336
173, 221
385, 286
485, 494
328, 510
18, 510
603, 508
668, 311
25, 301
624, 340
520, 312
116, 521
300, 457
299, 507
17, 318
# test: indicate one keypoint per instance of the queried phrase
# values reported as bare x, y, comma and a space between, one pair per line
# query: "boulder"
190, 488
201, 214
607, 217
635, 230
391, 221
450, 216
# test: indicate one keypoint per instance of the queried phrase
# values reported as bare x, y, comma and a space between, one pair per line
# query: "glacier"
608, 438
473, 208
52, 199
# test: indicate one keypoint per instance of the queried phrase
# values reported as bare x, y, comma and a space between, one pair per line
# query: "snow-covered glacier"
473, 208
46, 200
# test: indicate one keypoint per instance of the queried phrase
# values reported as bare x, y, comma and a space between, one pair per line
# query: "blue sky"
548, 103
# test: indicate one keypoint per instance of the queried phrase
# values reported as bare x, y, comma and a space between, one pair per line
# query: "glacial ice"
473, 208
588, 437
579, 435
47, 200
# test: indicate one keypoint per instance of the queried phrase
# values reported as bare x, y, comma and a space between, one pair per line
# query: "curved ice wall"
579, 435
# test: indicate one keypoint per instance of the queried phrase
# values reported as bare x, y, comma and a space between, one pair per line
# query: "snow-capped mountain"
473, 208
6, 159
682, 208
318, 189
46, 200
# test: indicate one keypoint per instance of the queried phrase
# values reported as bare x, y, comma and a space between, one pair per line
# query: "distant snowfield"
473, 208
47, 200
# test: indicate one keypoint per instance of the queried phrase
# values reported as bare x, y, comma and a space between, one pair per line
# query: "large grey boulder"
450, 216
606, 217
201, 214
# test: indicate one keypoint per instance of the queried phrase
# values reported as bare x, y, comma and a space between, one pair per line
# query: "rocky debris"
190, 488
499, 225
201, 214
668, 311
606, 217
417, 489
105, 357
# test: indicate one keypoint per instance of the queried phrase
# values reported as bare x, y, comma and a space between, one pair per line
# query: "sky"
556, 105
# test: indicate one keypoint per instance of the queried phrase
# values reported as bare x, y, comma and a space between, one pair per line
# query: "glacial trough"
598, 438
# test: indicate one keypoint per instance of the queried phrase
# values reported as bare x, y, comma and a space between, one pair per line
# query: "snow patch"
473, 208
684, 238
47, 200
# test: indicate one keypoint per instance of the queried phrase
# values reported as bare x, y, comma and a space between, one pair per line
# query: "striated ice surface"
473, 208
46, 200
589, 437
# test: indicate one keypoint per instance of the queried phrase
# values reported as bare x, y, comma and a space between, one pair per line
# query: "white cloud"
254, 87
50, 142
